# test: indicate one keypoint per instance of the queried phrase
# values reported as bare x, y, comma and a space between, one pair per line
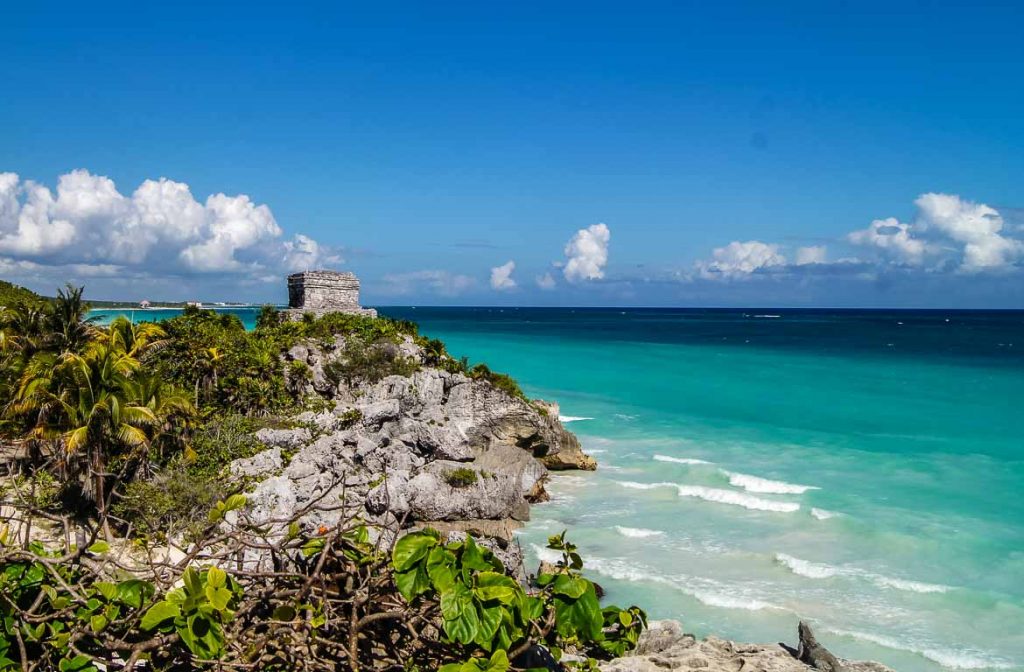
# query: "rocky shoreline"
442, 449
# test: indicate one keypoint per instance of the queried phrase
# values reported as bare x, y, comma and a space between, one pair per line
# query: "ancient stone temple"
322, 292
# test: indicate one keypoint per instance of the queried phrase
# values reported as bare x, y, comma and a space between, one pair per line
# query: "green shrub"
463, 477
41, 490
350, 417
502, 381
174, 502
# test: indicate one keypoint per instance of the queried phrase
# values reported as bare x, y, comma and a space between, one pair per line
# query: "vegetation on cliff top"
130, 427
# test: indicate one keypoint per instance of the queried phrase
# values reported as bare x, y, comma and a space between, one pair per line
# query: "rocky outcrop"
664, 646
433, 446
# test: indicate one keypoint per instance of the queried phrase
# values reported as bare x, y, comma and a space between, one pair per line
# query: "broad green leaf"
473, 556
499, 661
234, 502
456, 601
99, 547
79, 663
215, 577
494, 586
98, 622
193, 582
218, 597
412, 582
463, 629
106, 589
570, 586
580, 617
158, 613
133, 592
490, 620
440, 564
412, 548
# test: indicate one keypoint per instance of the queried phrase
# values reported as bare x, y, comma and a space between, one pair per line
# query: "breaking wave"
572, 418
718, 496
816, 570
955, 659
637, 532
822, 514
680, 460
764, 485
707, 591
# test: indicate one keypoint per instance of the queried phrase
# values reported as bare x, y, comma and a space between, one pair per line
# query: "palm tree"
67, 320
208, 363
171, 406
135, 339
86, 402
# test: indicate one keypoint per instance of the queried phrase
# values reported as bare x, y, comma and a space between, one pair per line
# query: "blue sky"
736, 153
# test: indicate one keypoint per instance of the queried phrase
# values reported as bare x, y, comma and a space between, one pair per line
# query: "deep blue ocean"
861, 469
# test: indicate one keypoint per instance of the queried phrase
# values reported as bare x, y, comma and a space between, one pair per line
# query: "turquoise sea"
861, 469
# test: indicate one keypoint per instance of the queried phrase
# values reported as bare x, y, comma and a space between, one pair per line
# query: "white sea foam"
545, 554
764, 485
679, 460
595, 451
911, 586
954, 659
645, 486
637, 532
822, 514
811, 570
816, 570
572, 418
713, 599
707, 591
736, 499
718, 496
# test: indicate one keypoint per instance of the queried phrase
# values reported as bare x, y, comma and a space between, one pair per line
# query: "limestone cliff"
434, 446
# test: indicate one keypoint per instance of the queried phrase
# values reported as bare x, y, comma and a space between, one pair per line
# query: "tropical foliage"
130, 428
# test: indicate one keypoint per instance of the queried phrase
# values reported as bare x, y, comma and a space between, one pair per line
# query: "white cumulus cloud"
740, 259
159, 228
501, 276
587, 254
948, 231
893, 238
975, 226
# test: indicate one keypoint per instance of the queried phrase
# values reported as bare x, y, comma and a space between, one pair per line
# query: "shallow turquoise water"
859, 469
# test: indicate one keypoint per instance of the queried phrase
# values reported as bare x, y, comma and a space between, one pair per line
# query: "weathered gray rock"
284, 438
428, 495
262, 464
392, 460
664, 646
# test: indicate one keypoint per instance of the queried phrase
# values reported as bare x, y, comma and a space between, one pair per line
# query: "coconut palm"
68, 321
135, 339
86, 403
171, 406
208, 364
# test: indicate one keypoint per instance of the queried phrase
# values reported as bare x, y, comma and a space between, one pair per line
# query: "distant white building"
144, 304
194, 304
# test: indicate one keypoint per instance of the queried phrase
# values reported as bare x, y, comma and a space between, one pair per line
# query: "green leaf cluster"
490, 614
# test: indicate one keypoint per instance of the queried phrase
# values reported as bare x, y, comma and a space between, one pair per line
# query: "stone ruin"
320, 292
